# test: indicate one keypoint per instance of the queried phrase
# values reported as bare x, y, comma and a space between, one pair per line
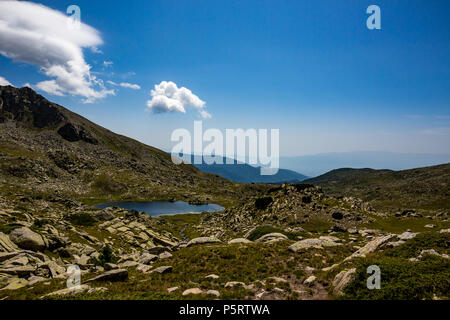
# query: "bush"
106, 256
263, 203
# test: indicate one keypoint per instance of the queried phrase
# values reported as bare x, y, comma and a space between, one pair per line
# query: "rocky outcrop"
270, 237
27, 239
203, 241
324, 241
342, 279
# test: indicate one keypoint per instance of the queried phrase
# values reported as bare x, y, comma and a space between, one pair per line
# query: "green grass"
403, 279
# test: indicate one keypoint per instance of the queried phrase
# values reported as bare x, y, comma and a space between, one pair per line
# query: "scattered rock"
310, 280
239, 240
203, 240
270, 237
163, 269
342, 279
213, 292
27, 239
192, 291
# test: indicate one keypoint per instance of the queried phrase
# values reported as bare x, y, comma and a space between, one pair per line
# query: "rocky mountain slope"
290, 241
47, 150
420, 188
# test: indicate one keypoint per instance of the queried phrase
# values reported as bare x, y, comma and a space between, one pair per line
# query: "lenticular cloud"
167, 97
41, 36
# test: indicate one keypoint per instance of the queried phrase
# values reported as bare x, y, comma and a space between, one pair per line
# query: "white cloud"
107, 63
167, 97
39, 35
4, 82
130, 85
112, 83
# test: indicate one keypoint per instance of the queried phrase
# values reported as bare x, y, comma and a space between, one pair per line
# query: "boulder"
371, 246
203, 240
163, 269
272, 237
27, 239
342, 279
213, 292
192, 291
110, 266
6, 245
113, 276
68, 291
146, 258
15, 284
314, 243
310, 280
165, 255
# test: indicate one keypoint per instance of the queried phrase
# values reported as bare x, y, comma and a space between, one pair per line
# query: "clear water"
159, 208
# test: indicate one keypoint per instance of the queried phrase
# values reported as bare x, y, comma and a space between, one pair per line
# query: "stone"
146, 258
113, 276
165, 255
173, 289
16, 284
406, 235
444, 231
6, 245
342, 279
310, 280
27, 239
275, 236
203, 240
163, 269
213, 293
212, 276
430, 226
192, 291
68, 291
110, 266
239, 240
314, 243
371, 246
156, 250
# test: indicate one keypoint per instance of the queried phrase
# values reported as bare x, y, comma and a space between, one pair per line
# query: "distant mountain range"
245, 173
314, 165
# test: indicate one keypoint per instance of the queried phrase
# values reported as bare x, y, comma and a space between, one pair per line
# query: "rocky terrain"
290, 241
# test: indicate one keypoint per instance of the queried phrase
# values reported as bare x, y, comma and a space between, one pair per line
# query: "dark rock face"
72, 133
26, 106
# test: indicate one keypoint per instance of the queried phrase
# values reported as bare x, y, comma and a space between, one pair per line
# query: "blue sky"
310, 68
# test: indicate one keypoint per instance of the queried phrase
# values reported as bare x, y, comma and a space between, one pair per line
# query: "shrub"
263, 203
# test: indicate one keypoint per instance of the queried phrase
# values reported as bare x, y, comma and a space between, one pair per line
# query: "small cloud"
130, 85
94, 49
107, 64
167, 97
4, 82
112, 83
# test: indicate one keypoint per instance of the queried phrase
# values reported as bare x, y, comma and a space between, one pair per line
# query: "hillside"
245, 173
421, 188
48, 151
